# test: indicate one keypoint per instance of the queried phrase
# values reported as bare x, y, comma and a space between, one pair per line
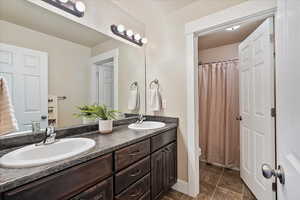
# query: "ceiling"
26, 14
225, 37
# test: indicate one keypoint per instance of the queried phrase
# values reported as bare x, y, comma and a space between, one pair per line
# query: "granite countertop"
121, 137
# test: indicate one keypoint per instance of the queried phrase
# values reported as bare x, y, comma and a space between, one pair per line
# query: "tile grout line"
243, 193
213, 194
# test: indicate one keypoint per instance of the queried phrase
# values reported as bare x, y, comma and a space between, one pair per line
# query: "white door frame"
113, 54
247, 11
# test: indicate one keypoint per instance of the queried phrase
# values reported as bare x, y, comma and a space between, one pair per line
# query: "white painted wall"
222, 53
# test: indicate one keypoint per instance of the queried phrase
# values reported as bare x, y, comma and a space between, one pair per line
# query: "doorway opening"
236, 96
104, 79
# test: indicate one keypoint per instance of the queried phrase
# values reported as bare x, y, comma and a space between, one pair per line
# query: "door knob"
239, 118
268, 172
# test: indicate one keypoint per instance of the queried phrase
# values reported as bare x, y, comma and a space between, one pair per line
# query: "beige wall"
100, 15
65, 58
166, 61
226, 52
131, 68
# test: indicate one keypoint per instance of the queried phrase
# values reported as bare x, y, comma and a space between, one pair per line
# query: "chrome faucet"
49, 135
141, 119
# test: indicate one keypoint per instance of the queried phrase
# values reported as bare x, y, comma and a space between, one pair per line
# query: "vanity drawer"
136, 191
65, 184
101, 191
131, 174
163, 139
131, 154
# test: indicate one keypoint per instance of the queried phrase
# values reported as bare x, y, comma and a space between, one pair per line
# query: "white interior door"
288, 98
26, 71
106, 85
256, 101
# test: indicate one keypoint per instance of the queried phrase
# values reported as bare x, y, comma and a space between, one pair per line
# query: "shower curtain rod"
217, 62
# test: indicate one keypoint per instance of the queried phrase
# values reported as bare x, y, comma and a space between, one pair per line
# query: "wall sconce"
128, 34
74, 7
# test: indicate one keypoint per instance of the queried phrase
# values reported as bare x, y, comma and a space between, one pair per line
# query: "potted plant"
85, 112
105, 117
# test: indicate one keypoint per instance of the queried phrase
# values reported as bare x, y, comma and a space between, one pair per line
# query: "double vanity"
132, 163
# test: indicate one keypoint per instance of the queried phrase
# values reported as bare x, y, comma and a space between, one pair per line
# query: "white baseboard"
181, 186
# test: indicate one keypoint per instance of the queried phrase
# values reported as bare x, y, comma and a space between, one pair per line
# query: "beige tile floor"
216, 183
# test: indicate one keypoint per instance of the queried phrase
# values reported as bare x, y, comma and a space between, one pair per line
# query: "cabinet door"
101, 191
170, 165
157, 174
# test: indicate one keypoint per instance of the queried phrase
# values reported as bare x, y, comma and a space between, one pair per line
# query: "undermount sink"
36, 155
146, 125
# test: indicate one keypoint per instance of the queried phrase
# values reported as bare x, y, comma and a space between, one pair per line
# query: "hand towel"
8, 122
155, 99
134, 99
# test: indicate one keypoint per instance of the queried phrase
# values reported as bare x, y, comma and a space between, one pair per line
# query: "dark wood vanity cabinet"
164, 170
141, 171
101, 191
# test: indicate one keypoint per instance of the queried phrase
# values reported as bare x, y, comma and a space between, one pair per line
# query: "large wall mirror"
53, 66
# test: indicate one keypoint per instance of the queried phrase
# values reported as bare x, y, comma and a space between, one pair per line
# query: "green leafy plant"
104, 113
85, 111
96, 112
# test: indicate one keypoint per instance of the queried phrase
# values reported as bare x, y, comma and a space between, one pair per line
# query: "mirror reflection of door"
25, 72
106, 84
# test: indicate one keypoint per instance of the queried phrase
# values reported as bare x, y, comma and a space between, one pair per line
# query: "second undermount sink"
36, 155
146, 125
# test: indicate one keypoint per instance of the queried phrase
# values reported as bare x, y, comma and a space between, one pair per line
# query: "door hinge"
272, 38
273, 112
274, 187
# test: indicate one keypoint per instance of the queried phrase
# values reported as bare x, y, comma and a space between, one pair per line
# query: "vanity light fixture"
74, 7
128, 34
63, 1
144, 40
121, 28
233, 28
80, 6
137, 37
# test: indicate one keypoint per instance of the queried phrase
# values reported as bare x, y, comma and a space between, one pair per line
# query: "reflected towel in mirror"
8, 122
134, 99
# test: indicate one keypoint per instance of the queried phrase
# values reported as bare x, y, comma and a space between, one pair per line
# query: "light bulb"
63, 1
137, 37
80, 6
233, 28
144, 40
120, 28
129, 33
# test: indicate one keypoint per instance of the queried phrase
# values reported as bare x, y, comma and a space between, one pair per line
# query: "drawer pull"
136, 173
134, 153
137, 193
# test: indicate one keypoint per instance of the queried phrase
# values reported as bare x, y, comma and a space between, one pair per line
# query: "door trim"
248, 11
113, 54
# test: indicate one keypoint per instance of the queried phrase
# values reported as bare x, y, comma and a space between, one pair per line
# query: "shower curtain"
218, 110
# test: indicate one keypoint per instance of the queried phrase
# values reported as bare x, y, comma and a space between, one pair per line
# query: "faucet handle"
50, 130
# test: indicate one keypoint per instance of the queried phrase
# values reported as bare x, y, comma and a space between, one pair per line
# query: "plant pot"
86, 120
105, 126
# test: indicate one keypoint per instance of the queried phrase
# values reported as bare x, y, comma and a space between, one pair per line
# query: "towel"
155, 100
8, 122
134, 99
